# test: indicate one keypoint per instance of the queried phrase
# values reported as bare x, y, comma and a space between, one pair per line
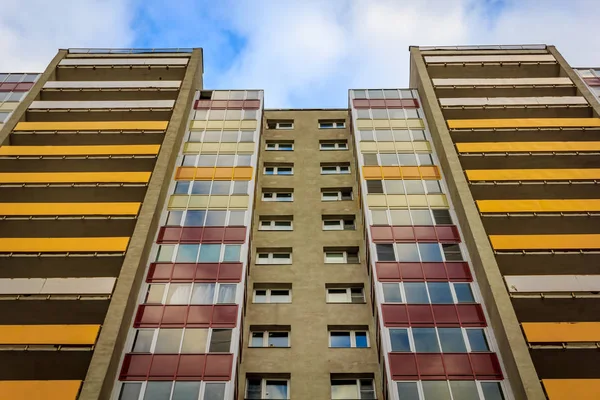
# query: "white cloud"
32, 31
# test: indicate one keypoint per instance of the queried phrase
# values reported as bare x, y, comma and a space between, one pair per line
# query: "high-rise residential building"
163, 241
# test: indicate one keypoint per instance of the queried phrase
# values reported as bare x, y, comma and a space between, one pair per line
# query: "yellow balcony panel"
123, 208
49, 334
369, 147
63, 245
437, 200
533, 174
145, 149
93, 126
227, 125
561, 332
523, 123
364, 124
198, 125
248, 125
376, 200
506, 206
39, 390
571, 389
509, 147
545, 242
178, 201
74, 177
8, 106
382, 123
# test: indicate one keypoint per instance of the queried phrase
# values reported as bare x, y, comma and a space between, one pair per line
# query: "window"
181, 390
415, 252
274, 258
280, 124
352, 389
338, 224
332, 124
396, 186
183, 340
336, 195
410, 217
223, 188
272, 296
333, 256
345, 295
337, 145
280, 146
275, 224
440, 390
279, 170
4, 116
452, 252
436, 340
335, 169
257, 388
347, 339
191, 293
199, 253
269, 339
278, 196
427, 292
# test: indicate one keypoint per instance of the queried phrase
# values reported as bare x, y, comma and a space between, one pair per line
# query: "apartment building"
163, 241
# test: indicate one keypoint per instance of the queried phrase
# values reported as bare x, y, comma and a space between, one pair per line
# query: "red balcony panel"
486, 366
410, 103
434, 271
251, 104
218, 367
425, 234
235, 235
191, 366
395, 315
135, 367
411, 272
592, 81
381, 234
169, 234
445, 315
459, 272
219, 104
403, 366
213, 234
471, 315
377, 103
148, 316
206, 272
393, 103
225, 316
159, 272
361, 103
420, 314
388, 271
431, 366
235, 104
403, 233
230, 272
164, 367
184, 272
447, 234
174, 316
8, 87
24, 87
191, 235
199, 316
458, 366
202, 104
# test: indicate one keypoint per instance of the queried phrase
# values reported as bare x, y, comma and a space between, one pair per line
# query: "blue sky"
303, 53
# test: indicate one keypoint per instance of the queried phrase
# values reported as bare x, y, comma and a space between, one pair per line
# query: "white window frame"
272, 260
339, 195
413, 346
357, 382
339, 145
283, 124
426, 283
271, 225
341, 224
348, 296
352, 339
275, 198
175, 250
277, 168
268, 296
335, 124
156, 332
344, 257
263, 386
339, 169
265, 339
144, 387
276, 146
167, 286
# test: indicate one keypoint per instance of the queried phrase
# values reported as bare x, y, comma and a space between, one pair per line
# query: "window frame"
268, 296
144, 388
338, 145
338, 170
156, 334
344, 258
276, 170
341, 224
275, 197
277, 146
271, 258
263, 387
280, 124
349, 297
451, 285
172, 250
167, 286
358, 386
335, 124
339, 195
271, 226
265, 339
352, 333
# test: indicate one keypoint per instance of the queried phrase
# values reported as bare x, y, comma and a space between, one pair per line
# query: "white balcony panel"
101, 286
501, 81
507, 101
491, 58
124, 61
552, 283
112, 104
111, 84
